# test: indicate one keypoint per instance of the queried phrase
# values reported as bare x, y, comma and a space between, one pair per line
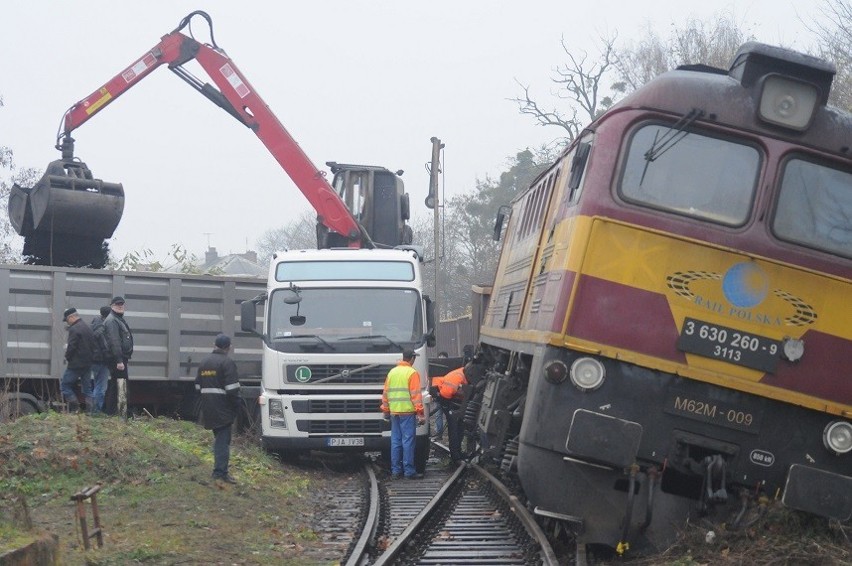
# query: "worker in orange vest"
448, 390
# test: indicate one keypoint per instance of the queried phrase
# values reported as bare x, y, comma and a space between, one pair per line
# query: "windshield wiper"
371, 336
314, 336
677, 132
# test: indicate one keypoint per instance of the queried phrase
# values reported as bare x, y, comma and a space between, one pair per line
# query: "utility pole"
433, 202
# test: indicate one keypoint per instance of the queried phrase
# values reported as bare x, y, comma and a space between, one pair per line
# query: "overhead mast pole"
433, 202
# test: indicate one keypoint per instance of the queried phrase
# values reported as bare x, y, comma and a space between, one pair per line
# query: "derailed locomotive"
670, 330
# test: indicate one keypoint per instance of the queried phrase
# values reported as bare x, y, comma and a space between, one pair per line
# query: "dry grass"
781, 537
158, 504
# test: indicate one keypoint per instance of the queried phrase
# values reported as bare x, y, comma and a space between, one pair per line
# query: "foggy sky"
353, 81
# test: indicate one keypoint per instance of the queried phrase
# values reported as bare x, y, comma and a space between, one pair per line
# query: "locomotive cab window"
691, 174
815, 207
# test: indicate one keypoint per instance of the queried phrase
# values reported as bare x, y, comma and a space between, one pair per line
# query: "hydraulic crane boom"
68, 186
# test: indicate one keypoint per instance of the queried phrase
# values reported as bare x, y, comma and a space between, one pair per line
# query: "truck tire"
12, 408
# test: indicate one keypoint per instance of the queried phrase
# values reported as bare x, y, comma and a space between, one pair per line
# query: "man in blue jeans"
100, 361
402, 404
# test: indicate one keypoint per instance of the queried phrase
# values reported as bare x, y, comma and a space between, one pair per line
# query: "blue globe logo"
745, 285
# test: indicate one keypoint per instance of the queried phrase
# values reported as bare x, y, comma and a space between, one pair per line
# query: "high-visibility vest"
399, 398
449, 385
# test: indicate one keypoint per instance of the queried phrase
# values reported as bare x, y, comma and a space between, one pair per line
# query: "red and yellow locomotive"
670, 327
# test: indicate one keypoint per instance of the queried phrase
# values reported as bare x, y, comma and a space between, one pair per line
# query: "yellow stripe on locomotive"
628, 291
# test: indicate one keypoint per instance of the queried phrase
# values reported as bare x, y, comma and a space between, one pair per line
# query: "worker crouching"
448, 390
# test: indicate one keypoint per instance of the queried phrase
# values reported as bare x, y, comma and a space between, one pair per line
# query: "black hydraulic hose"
744, 497
623, 545
186, 22
653, 476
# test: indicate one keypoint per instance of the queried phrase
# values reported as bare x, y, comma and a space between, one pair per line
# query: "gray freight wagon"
174, 318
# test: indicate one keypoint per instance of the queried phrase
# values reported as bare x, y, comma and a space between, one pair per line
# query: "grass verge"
157, 503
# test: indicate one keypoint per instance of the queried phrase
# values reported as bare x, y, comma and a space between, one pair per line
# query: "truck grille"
338, 373
337, 406
340, 427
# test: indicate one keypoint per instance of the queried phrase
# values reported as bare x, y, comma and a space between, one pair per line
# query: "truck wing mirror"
248, 314
430, 321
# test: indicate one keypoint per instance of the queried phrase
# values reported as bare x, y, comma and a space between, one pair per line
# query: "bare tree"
10, 242
642, 61
589, 86
710, 42
582, 82
297, 234
834, 33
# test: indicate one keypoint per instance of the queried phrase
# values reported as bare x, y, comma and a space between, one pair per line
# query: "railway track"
455, 515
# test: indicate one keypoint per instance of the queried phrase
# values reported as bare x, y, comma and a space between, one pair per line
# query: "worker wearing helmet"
402, 404
450, 394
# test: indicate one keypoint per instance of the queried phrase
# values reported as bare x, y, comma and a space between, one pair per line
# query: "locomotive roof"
733, 97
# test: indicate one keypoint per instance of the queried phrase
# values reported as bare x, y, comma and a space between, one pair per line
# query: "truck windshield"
345, 320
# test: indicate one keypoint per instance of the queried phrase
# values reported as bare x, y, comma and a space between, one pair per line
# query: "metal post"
434, 170
121, 385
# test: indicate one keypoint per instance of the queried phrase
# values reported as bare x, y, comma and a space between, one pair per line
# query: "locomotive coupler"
713, 471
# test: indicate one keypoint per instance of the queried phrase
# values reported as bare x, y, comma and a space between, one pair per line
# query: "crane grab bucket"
67, 200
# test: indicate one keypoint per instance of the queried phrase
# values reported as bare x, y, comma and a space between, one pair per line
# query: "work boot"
414, 477
73, 405
227, 478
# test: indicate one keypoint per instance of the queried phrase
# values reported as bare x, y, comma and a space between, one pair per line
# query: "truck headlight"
837, 437
276, 414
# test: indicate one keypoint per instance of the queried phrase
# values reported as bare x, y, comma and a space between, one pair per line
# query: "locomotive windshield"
345, 320
815, 207
698, 176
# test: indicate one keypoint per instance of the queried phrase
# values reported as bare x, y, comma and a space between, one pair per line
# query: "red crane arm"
236, 95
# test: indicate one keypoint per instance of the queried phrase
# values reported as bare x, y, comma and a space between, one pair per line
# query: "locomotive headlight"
555, 371
587, 374
837, 437
787, 102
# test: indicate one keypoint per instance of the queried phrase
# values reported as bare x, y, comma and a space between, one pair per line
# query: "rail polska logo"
744, 287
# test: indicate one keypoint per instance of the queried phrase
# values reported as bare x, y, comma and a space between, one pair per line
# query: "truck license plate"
729, 345
346, 441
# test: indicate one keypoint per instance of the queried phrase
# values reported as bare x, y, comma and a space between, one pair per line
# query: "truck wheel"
11, 409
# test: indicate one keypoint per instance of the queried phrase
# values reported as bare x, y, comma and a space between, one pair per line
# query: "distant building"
232, 264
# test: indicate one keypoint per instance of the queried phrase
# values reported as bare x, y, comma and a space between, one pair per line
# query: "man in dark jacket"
119, 338
120, 341
78, 356
100, 361
219, 384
